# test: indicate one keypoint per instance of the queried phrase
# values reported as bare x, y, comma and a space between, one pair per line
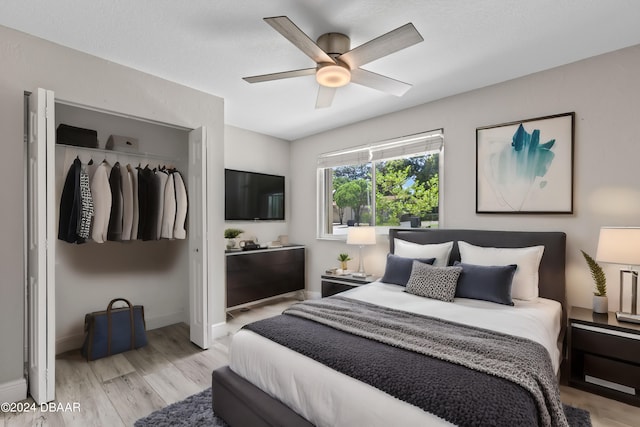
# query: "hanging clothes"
169, 210
86, 202
133, 173
71, 205
101, 192
127, 204
146, 204
179, 228
161, 178
114, 231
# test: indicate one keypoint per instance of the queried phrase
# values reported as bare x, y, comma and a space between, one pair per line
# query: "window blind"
406, 146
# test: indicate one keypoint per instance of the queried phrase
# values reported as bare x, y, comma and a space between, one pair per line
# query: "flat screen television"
251, 196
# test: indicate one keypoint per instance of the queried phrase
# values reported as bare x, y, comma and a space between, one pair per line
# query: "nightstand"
604, 355
333, 284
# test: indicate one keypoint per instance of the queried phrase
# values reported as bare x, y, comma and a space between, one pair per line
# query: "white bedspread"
328, 398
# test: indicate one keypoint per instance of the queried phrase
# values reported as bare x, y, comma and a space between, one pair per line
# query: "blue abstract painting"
525, 167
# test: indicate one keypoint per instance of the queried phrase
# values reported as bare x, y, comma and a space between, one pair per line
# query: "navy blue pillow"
398, 269
488, 283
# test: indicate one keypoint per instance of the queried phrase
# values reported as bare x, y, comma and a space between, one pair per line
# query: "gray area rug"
195, 411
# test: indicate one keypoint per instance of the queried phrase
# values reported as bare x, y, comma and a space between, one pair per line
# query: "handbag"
114, 330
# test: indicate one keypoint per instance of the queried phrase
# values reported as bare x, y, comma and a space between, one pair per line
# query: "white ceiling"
211, 44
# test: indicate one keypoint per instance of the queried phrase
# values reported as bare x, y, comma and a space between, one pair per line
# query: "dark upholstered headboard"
552, 280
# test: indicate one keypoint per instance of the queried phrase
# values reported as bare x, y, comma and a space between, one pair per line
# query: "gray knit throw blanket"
519, 360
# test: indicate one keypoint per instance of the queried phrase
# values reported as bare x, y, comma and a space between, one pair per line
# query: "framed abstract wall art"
526, 167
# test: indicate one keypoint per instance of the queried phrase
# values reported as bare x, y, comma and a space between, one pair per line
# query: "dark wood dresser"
258, 274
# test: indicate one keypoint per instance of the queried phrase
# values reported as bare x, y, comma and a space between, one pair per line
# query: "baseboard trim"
162, 321
13, 391
219, 330
313, 295
69, 343
74, 342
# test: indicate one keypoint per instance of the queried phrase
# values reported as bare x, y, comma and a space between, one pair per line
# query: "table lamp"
361, 236
621, 245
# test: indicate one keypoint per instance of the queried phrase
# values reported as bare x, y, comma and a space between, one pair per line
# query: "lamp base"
358, 274
627, 317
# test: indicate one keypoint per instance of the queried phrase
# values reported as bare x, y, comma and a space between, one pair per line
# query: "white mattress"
328, 398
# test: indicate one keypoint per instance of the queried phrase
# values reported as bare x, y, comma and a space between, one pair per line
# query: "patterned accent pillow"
433, 282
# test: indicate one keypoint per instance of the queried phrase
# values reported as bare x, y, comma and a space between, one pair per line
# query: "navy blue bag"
114, 330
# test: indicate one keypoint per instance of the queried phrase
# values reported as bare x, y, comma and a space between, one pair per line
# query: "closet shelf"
120, 153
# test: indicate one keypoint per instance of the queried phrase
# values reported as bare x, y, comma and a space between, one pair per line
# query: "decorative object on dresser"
604, 355
333, 284
621, 245
231, 234
600, 300
343, 258
361, 236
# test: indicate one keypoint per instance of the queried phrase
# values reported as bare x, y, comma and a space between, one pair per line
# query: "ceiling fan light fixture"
333, 75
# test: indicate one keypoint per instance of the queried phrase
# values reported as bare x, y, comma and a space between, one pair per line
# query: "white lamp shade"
619, 245
361, 236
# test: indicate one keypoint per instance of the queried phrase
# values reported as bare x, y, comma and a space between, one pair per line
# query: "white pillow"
439, 251
525, 279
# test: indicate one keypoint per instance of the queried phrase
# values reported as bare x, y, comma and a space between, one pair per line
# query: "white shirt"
101, 192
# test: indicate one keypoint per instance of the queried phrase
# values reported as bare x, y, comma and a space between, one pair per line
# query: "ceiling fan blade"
386, 44
278, 76
325, 96
379, 82
291, 32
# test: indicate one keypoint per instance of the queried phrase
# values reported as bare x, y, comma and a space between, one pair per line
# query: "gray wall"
603, 92
29, 63
255, 152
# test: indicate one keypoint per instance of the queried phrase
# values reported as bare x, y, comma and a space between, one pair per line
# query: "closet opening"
163, 274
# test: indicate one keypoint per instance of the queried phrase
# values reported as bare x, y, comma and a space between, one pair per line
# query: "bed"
269, 383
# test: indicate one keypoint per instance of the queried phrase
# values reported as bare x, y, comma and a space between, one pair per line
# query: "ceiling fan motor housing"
334, 44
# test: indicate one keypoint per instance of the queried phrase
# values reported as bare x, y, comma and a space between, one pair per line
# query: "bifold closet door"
198, 273
41, 248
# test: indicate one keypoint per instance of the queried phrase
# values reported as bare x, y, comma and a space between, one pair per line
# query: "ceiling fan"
337, 64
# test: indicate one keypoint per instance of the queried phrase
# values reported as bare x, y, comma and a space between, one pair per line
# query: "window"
388, 184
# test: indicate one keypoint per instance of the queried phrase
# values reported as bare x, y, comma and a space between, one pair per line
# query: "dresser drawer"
332, 288
604, 344
612, 370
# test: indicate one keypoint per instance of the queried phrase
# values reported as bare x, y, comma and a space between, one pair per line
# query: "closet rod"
119, 153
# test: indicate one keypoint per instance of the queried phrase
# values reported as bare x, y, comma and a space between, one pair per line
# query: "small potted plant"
600, 300
231, 234
343, 258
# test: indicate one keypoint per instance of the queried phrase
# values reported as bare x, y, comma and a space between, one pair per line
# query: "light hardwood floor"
118, 390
